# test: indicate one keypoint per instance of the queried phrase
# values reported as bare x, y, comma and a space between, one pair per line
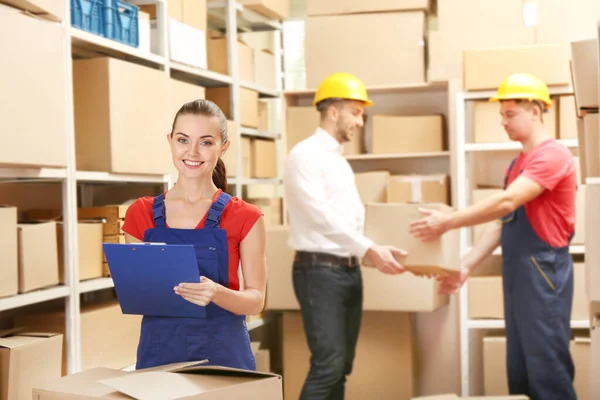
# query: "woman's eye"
206, 143
181, 140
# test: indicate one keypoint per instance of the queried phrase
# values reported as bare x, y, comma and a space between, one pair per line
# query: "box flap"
14, 342
9, 332
85, 384
181, 382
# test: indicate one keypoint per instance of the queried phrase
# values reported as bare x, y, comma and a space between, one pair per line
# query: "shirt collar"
329, 143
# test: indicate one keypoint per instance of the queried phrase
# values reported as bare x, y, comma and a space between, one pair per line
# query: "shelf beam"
395, 156
246, 19
487, 94
255, 133
94, 285
39, 296
18, 174
199, 76
499, 324
99, 177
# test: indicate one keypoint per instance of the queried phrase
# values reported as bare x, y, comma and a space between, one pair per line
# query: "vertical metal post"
69, 199
461, 203
234, 89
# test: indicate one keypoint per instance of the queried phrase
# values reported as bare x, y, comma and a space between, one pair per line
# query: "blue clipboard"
145, 274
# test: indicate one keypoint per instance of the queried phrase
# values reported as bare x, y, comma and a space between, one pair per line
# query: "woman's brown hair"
209, 109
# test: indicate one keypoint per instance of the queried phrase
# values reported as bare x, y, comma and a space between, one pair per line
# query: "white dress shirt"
324, 208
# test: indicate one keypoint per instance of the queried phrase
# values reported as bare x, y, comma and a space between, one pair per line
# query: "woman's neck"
193, 190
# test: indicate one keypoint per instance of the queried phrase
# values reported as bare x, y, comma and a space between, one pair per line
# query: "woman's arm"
249, 301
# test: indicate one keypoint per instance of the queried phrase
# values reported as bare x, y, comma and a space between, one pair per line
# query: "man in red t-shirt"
536, 218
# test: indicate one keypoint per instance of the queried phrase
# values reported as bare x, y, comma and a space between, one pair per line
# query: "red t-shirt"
237, 219
551, 214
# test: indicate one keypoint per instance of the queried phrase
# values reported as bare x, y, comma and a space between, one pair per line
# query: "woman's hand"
198, 293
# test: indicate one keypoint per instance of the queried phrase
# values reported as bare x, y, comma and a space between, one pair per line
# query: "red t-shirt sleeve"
248, 214
138, 218
548, 166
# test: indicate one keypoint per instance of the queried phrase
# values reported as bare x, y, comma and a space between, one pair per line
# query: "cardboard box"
273, 9
38, 255
108, 337
182, 93
193, 13
407, 134
218, 61
53, 10
264, 158
301, 122
485, 69
372, 186
488, 127
588, 136
391, 349
28, 360
248, 104
579, 237
559, 24
90, 254
271, 209
494, 366
585, 65
9, 259
595, 359
319, 7
121, 117
246, 150
174, 10
280, 258
347, 33
27, 56
187, 380
486, 300
265, 73
567, 117
388, 224
592, 230
418, 189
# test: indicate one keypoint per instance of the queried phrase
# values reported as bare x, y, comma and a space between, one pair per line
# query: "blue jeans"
330, 298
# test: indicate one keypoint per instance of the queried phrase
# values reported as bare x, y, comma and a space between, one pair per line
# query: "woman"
224, 230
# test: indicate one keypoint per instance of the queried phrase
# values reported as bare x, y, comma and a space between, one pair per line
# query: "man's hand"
200, 293
452, 282
435, 224
384, 259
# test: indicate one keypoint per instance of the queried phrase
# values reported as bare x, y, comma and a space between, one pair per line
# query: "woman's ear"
225, 147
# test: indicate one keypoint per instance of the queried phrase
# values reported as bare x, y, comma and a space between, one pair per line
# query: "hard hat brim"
366, 102
513, 96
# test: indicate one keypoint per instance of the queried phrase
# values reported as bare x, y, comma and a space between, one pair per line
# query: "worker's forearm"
242, 302
492, 208
484, 247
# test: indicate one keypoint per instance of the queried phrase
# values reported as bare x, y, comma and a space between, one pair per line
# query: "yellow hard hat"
342, 85
523, 86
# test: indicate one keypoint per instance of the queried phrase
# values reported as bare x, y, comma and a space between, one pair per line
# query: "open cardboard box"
388, 224
187, 380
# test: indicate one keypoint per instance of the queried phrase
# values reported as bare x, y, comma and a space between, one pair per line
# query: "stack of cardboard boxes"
586, 73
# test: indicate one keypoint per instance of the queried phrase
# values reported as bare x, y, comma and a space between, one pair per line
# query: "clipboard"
144, 275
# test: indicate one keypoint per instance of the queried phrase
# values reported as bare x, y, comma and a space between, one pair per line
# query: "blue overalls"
222, 337
538, 296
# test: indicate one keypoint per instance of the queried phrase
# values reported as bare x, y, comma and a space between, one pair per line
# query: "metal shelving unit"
229, 16
463, 149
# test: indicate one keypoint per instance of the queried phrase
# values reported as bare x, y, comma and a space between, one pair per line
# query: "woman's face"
196, 145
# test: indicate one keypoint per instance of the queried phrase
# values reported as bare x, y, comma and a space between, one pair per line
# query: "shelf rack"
228, 16
463, 149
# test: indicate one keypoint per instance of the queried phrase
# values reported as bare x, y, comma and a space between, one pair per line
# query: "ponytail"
220, 175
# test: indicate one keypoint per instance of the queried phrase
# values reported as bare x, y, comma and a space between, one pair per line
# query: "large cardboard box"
488, 127
485, 69
9, 259
121, 117
265, 73
274, 9
53, 10
108, 337
588, 136
28, 360
90, 253
401, 61
193, 13
585, 64
271, 209
187, 380
37, 50
418, 189
592, 251
248, 104
38, 255
392, 349
280, 258
218, 61
372, 186
340, 7
388, 224
407, 134
579, 237
264, 158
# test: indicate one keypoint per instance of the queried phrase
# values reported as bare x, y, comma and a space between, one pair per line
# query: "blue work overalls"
538, 296
222, 337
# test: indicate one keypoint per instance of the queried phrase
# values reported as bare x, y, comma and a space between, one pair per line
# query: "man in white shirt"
326, 220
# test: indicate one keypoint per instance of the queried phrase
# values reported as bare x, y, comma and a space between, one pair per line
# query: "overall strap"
512, 164
158, 211
214, 214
